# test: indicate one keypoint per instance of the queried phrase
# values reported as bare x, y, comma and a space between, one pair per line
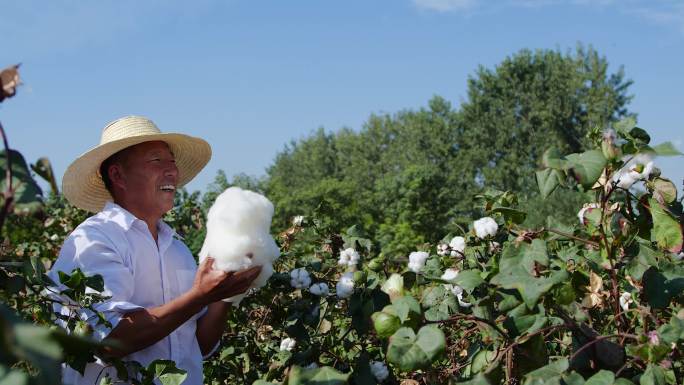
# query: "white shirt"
138, 273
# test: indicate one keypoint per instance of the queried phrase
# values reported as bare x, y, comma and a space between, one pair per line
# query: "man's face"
149, 177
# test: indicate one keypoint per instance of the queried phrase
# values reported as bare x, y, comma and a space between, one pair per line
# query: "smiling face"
144, 180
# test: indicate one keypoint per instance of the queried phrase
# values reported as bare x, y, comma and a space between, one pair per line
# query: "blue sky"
249, 76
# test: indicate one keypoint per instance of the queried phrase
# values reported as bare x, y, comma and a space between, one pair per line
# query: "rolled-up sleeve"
95, 253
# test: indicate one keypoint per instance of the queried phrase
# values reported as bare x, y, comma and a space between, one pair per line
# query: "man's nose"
171, 169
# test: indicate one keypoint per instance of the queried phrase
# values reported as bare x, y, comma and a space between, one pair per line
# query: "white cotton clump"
417, 261
320, 289
457, 244
299, 278
680, 256
345, 286
312, 365
238, 235
287, 344
297, 221
442, 249
625, 300
450, 274
587, 207
349, 257
485, 227
379, 370
636, 169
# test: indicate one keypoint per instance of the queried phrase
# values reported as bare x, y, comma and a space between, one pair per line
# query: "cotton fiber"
238, 236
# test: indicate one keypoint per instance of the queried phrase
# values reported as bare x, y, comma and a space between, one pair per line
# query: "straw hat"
82, 183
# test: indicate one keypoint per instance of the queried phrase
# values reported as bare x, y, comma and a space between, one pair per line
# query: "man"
162, 306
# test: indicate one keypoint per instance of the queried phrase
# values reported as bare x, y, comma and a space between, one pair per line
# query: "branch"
564, 234
9, 192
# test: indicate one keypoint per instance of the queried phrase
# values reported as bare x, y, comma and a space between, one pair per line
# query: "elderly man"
162, 306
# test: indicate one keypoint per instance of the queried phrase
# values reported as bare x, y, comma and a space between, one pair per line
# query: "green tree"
535, 100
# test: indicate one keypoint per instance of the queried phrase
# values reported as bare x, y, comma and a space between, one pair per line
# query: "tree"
409, 177
535, 100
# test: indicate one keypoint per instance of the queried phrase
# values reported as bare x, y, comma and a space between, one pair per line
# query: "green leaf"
673, 331
552, 158
262, 382
551, 373
406, 307
13, 377
666, 149
646, 258
510, 214
531, 288
587, 166
603, 377
410, 351
468, 279
28, 197
659, 289
654, 375
479, 379
547, 181
664, 191
666, 230
167, 372
625, 125
320, 376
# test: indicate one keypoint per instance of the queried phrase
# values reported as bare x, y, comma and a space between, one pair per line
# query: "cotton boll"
238, 237
319, 289
625, 300
379, 370
417, 261
485, 227
349, 257
299, 278
457, 244
345, 286
287, 344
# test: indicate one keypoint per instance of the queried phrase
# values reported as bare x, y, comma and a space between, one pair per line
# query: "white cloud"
446, 5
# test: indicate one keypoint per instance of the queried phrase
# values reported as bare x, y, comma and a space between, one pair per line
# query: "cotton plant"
417, 261
287, 344
625, 300
348, 257
485, 227
299, 278
586, 209
320, 289
238, 235
449, 275
379, 370
455, 247
636, 169
393, 286
345, 286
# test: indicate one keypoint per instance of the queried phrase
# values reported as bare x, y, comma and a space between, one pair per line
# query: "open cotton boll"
238, 237
485, 227
417, 261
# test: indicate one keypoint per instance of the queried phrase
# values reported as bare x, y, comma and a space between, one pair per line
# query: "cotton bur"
238, 237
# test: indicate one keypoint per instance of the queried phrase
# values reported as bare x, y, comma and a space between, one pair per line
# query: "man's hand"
214, 285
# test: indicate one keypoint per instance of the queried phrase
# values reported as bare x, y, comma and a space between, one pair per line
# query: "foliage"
407, 177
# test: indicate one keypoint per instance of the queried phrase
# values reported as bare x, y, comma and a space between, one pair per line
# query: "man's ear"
117, 175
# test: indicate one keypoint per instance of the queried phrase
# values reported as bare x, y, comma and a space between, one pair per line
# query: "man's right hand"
213, 285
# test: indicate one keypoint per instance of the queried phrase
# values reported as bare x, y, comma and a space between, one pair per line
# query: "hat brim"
83, 187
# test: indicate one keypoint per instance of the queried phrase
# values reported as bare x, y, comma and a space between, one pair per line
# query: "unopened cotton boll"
319, 289
345, 286
288, 344
485, 227
417, 261
238, 235
349, 257
379, 370
457, 244
299, 278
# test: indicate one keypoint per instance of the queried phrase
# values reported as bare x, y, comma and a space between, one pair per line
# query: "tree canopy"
407, 176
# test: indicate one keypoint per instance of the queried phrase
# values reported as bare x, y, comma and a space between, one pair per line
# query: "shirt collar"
126, 220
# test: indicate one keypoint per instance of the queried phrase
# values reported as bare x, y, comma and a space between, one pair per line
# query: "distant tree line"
410, 177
